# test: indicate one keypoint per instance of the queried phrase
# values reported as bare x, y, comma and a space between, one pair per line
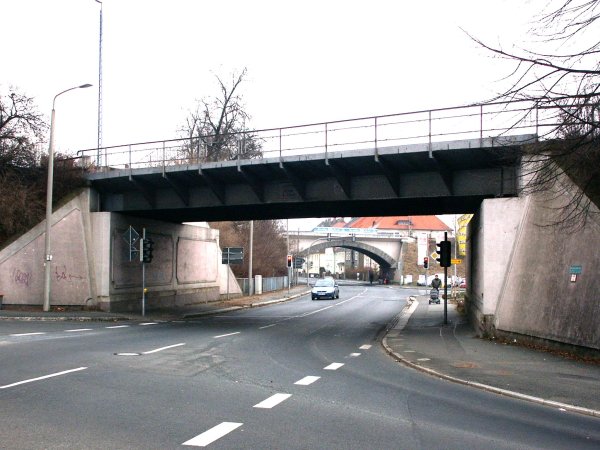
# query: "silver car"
325, 288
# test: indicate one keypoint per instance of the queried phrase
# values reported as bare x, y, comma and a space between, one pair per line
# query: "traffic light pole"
143, 273
445, 287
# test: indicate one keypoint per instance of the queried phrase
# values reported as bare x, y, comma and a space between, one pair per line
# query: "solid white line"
228, 334
274, 400
307, 380
333, 366
216, 432
365, 347
267, 326
78, 329
43, 377
163, 348
148, 323
26, 334
119, 326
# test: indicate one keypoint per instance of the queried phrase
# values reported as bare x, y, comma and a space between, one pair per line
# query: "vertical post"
163, 158
280, 143
326, 156
250, 276
50, 182
430, 151
143, 272
445, 287
376, 153
480, 125
288, 252
228, 268
98, 156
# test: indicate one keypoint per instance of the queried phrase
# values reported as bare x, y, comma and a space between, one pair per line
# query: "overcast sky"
308, 61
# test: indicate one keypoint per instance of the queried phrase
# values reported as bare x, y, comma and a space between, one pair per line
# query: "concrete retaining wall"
520, 273
91, 266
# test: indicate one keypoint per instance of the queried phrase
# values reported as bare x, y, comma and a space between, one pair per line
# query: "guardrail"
427, 126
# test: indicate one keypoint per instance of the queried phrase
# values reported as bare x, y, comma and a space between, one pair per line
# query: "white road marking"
273, 400
43, 377
365, 347
225, 335
163, 348
409, 351
333, 366
128, 354
354, 355
216, 432
307, 380
119, 326
148, 323
78, 329
316, 311
267, 326
423, 359
26, 334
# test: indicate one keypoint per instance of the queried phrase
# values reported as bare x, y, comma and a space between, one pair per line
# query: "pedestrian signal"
426, 262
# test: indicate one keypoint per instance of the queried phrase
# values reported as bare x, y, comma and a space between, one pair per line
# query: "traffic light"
147, 249
444, 252
289, 260
310, 265
425, 262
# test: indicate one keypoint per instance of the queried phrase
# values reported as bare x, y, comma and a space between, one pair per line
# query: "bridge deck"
449, 177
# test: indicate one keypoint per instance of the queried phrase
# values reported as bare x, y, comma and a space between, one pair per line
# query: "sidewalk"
420, 340
172, 314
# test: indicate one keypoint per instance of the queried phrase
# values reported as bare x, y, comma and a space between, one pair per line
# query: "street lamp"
48, 256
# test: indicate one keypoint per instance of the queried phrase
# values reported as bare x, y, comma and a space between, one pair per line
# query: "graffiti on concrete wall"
62, 274
21, 278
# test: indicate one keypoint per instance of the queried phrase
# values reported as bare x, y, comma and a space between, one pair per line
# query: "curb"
399, 322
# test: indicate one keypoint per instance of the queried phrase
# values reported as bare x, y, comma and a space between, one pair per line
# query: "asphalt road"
297, 375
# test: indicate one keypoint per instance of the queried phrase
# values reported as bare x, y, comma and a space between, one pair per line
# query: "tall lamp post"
47, 254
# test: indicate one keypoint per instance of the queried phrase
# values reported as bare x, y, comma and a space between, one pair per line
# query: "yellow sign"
461, 233
456, 261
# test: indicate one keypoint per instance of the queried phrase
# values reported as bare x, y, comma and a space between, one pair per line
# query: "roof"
425, 223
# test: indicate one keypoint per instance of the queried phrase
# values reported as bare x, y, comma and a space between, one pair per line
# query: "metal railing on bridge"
418, 127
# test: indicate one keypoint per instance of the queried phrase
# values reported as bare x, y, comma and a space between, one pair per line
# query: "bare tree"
562, 78
21, 127
269, 254
216, 130
22, 171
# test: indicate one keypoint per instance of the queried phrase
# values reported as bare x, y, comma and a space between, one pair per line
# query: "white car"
325, 288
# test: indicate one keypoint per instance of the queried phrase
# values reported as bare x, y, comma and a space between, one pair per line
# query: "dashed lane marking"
52, 375
365, 347
354, 355
272, 401
78, 329
148, 323
156, 350
307, 380
333, 366
225, 335
216, 432
26, 334
267, 326
118, 326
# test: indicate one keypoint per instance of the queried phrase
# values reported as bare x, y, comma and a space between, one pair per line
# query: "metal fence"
268, 284
429, 126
